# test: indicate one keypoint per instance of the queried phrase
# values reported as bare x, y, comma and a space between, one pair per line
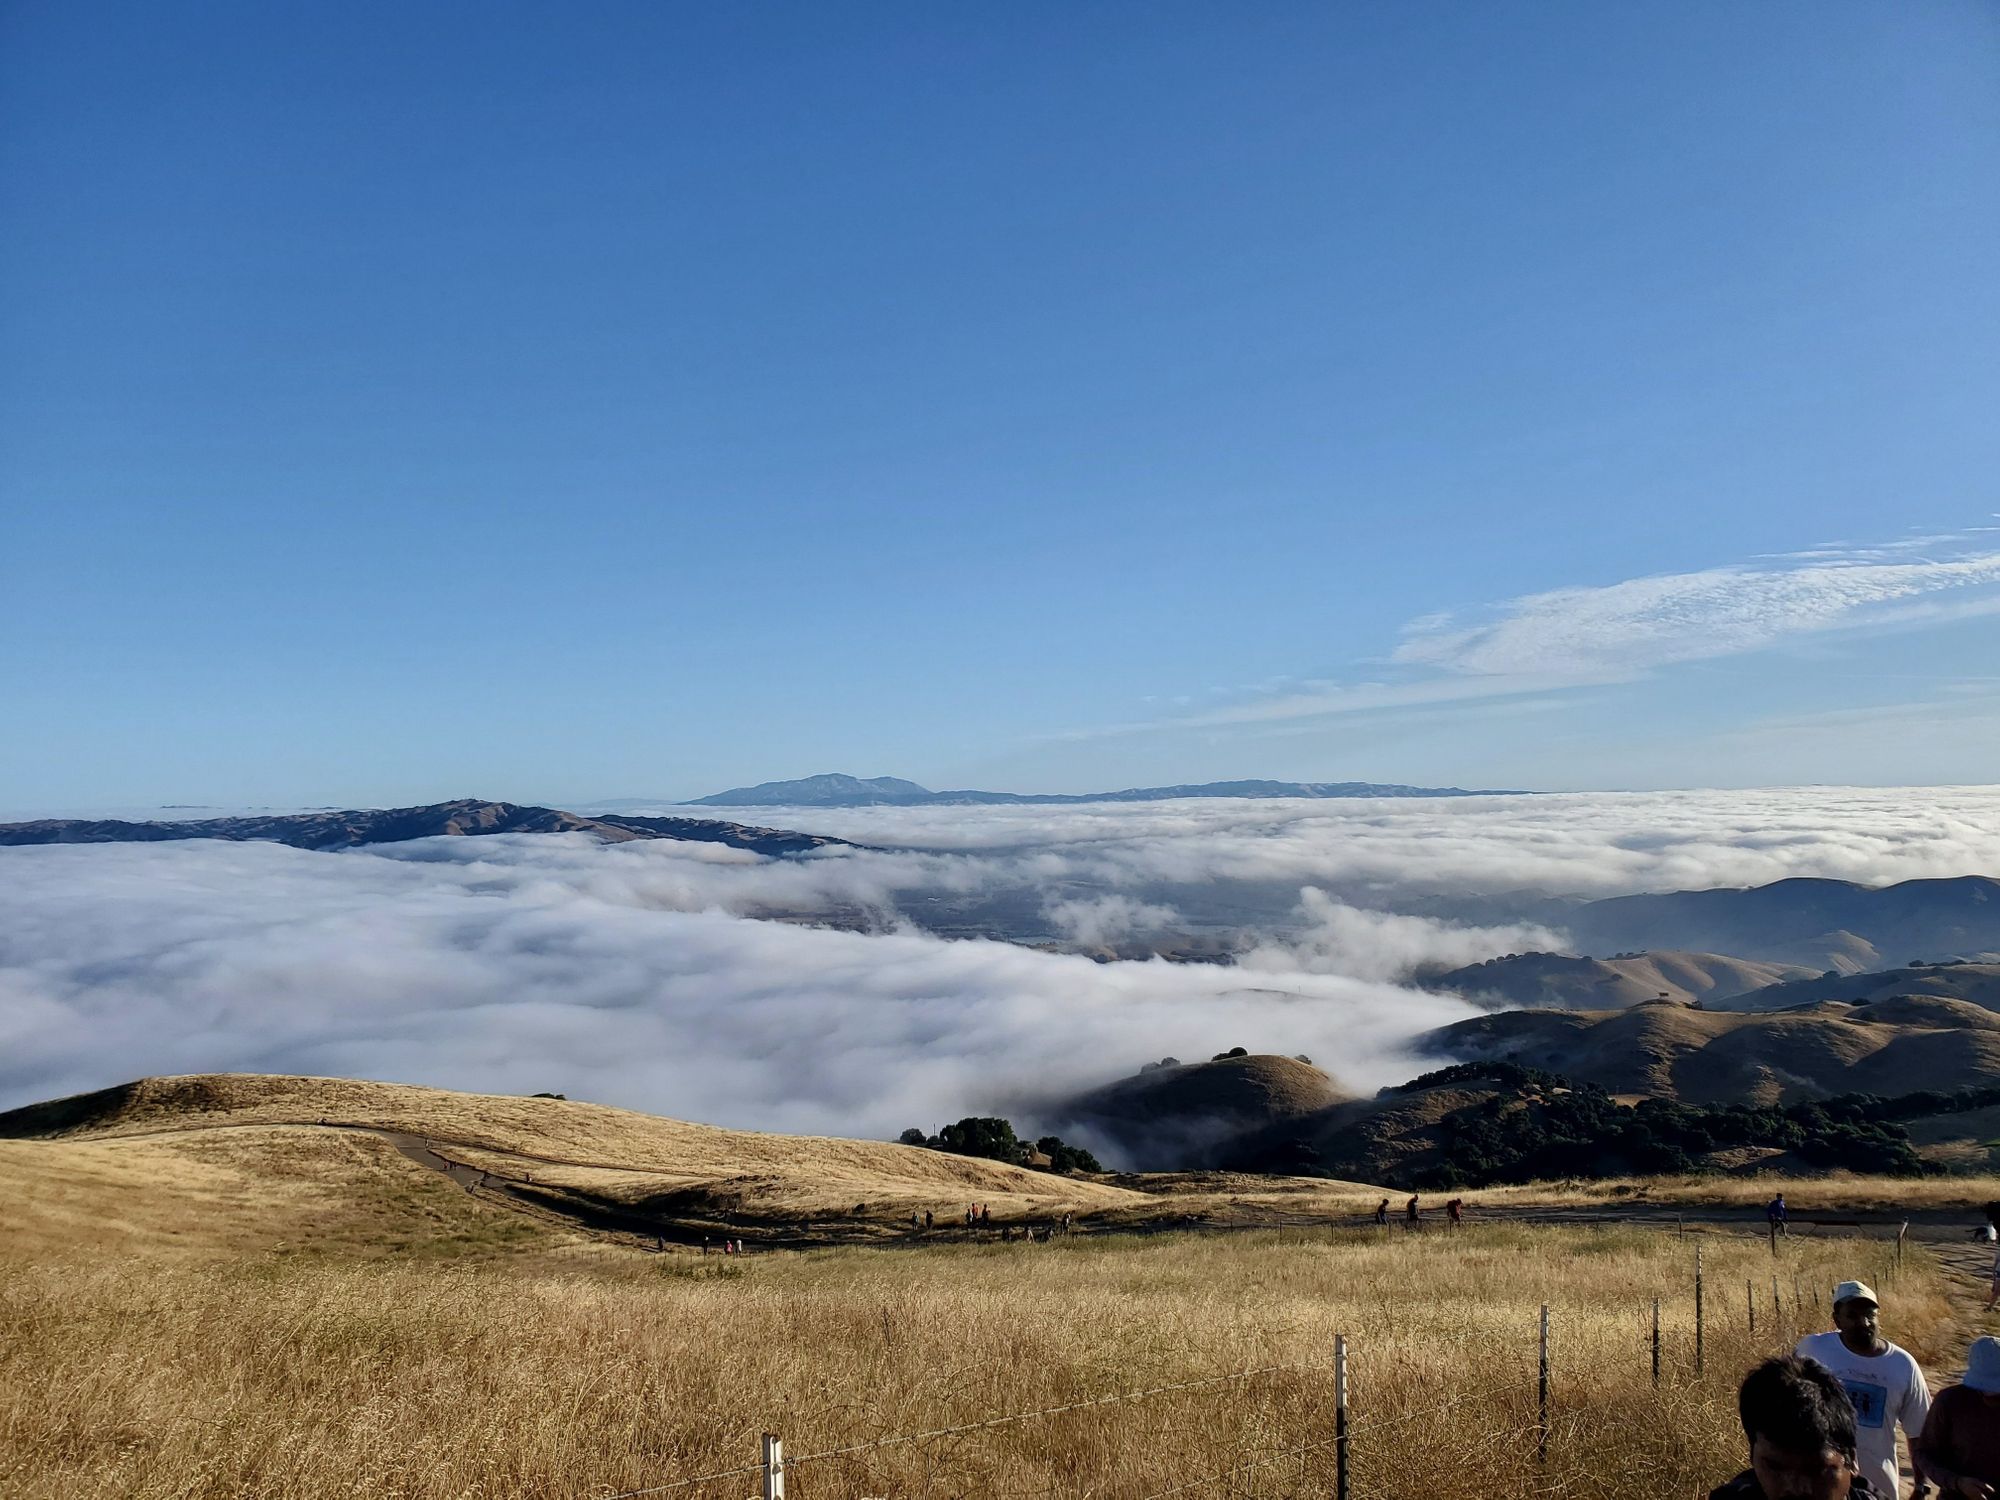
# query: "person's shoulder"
1903, 1357
1743, 1487
1813, 1345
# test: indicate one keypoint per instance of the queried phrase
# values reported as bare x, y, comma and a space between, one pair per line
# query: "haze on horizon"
653, 400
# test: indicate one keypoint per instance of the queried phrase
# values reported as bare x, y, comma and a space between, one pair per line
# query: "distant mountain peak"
828, 789
836, 789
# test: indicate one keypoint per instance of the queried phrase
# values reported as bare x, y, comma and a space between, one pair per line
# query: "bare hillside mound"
816, 1170
1975, 983
1567, 981
257, 1189
1180, 1115
1716, 1057
1927, 1010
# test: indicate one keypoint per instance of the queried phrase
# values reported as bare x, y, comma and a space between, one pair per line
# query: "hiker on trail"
1775, 1214
1801, 1433
704, 1244
1455, 1207
927, 1220
1067, 1221
986, 1214
916, 1221
1959, 1448
1883, 1382
1382, 1212
1410, 1209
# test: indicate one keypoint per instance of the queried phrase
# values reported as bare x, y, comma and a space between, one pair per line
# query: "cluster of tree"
992, 1139
1539, 1126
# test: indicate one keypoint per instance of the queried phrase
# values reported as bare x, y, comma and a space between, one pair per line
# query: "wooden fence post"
1656, 1341
1750, 1303
774, 1467
1542, 1445
1340, 1416
1697, 1310
1777, 1307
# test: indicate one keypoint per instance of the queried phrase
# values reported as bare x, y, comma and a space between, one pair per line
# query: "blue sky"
410, 401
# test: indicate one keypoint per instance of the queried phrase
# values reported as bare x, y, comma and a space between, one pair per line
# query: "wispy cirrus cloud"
1562, 640
1624, 629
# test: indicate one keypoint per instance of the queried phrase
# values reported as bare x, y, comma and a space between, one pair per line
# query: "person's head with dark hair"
1800, 1426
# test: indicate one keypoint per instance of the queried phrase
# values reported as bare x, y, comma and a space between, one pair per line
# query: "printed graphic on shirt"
1871, 1402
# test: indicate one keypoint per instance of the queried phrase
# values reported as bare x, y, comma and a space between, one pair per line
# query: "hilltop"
836, 789
1567, 981
183, 1161
467, 817
1173, 1116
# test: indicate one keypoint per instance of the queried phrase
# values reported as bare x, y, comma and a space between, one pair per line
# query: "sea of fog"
643, 974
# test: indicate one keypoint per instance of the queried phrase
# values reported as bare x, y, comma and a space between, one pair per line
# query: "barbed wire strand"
1112, 1399
850, 1449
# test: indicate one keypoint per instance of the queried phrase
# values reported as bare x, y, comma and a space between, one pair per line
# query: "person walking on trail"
1410, 1209
1885, 1385
1800, 1428
1959, 1448
927, 1221
1456, 1208
1382, 1212
1775, 1214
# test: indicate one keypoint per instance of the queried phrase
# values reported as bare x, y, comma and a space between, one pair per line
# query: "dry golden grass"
1831, 1194
593, 1135
284, 1311
222, 1193
585, 1372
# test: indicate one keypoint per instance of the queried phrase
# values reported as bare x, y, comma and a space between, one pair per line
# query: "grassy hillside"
249, 1191
822, 1174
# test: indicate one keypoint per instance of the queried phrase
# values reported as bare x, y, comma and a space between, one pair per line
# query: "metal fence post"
1340, 1416
774, 1467
1697, 1310
1542, 1445
1656, 1341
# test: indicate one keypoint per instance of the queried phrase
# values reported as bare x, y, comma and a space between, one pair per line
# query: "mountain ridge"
465, 817
838, 789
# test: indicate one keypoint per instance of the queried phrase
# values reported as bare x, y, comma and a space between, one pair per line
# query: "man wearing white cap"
1882, 1380
1960, 1444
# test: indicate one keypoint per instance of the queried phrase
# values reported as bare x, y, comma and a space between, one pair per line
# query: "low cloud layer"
511, 972
1581, 843
639, 975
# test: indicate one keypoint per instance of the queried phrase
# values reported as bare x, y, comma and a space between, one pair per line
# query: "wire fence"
1674, 1357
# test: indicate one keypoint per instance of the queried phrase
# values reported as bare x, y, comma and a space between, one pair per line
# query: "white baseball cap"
1848, 1291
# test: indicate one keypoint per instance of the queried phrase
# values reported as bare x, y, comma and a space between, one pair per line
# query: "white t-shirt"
1885, 1389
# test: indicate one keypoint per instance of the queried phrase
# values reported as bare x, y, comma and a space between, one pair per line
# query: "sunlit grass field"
582, 1371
